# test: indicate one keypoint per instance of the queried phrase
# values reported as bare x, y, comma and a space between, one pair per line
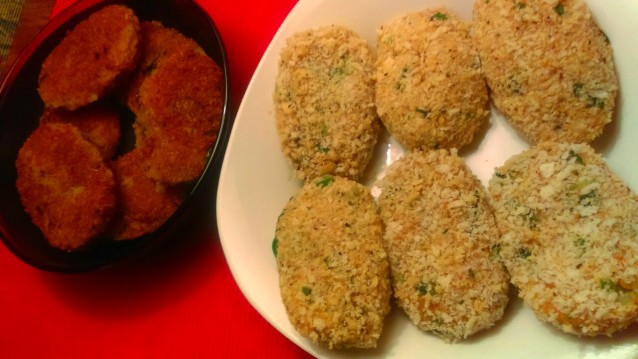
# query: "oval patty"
570, 237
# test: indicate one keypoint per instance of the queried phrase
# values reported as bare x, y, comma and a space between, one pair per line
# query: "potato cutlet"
324, 103
439, 230
143, 204
97, 123
570, 237
91, 59
333, 271
65, 186
549, 66
430, 91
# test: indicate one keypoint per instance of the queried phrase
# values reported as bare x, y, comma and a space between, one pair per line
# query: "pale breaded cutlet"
439, 230
65, 186
430, 90
333, 271
549, 66
98, 123
143, 204
91, 59
324, 103
570, 237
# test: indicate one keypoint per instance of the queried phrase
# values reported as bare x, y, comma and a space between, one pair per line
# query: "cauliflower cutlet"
549, 66
333, 271
97, 123
65, 185
324, 103
91, 59
439, 230
143, 204
430, 91
570, 237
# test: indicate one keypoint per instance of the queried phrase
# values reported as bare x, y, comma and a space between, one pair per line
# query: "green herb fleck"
524, 252
306, 291
323, 149
520, 5
425, 288
275, 246
499, 175
609, 285
496, 249
593, 101
531, 218
438, 16
580, 242
606, 37
588, 198
560, 9
422, 111
578, 159
324, 181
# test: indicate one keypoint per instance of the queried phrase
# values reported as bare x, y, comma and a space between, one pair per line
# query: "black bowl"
21, 108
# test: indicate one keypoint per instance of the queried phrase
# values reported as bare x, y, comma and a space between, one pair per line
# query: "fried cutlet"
65, 186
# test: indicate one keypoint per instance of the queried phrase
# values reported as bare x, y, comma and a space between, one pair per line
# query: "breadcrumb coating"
65, 186
91, 59
97, 123
439, 231
333, 271
143, 204
324, 103
430, 91
549, 66
570, 237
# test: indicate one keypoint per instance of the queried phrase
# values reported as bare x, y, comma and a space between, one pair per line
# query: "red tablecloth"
177, 302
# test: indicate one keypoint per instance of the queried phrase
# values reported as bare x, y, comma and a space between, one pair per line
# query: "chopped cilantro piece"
577, 89
306, 291
439, 16
275, 246
560, 9
524, 252
422, 111
572, 154
324, 181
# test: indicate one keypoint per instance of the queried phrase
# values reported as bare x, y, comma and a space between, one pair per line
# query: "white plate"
256, 182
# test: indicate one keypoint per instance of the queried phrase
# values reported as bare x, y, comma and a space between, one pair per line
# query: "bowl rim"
76, 12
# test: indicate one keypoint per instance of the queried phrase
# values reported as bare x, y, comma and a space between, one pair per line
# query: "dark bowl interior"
21, 108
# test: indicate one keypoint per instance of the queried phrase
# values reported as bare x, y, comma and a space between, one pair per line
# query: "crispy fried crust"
333, 271
549, 67
90, 59
439, 230
65, 185
98, 124
570, 237
324, 103
430, 91
177, 97
143, 204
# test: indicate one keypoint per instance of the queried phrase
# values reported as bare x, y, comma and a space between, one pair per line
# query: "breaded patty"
549, 66
430, 92
157, 42
91, 59
181, 109
65, 185
439, 229
143, 203
570, 237
324, 103
333, 271
97, 123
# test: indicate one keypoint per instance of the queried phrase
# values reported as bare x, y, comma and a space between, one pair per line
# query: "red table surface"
178, 301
